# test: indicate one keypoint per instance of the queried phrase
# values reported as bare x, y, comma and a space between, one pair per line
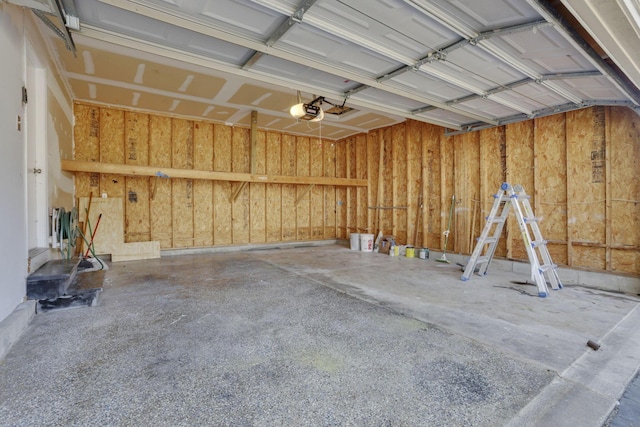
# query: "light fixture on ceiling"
310, 111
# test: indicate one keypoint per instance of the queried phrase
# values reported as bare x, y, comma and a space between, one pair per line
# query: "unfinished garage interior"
221, 165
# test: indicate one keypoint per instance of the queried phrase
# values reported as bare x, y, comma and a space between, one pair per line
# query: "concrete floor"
322, 335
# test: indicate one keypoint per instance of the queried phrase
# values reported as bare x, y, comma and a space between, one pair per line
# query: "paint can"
355, 241
392, 250
366, 242
410, 252
423, 253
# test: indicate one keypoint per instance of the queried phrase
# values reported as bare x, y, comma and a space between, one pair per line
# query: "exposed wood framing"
580, 169
607, 190
304, 194
132, 170
237, 191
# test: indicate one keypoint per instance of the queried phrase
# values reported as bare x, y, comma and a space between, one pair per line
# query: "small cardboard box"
385, 244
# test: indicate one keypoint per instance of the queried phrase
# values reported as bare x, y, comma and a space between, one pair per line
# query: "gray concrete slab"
321, 336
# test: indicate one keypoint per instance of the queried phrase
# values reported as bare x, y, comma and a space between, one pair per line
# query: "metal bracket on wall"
56, 9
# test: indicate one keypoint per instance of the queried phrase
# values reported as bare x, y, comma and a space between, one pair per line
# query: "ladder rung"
537, 243
530, 219
482, 260
490, 240
547, 267
496, 219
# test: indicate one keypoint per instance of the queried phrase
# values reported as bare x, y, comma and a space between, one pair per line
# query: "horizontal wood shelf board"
138, 170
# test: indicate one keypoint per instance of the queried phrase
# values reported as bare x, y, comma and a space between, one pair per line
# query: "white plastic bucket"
355, 241
366, 242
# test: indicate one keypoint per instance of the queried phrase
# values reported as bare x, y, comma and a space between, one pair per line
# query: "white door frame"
35, 135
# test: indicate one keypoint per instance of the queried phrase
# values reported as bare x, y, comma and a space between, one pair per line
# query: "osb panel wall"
579, 168
622, 227
183, 213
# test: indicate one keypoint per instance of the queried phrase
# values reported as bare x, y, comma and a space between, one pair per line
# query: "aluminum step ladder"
542, 268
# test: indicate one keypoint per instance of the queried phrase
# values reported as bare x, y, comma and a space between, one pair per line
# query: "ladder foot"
464, 279
542, 294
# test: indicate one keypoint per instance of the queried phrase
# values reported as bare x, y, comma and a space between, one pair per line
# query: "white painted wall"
19, 37
13, 233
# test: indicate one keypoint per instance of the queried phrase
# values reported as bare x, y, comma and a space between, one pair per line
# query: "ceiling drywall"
460, 64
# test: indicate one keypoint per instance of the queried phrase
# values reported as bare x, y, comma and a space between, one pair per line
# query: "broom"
443, 258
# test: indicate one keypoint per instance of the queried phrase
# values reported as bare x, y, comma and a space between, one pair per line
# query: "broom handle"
86, 254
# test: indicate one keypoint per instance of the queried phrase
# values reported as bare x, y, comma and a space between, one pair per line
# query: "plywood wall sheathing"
352, 199
607, 190
624, 158
387, 225
302, 203
373, 156
289, 167
86, 136
550, 157
466, 188
362, 210
112, 126
493, 172
316, 205
400, 183
241, 162
586, 186
257, 191
341, 192
136, 206
329, 193
580, 169
136, 138
274, 191
182, 189
109, 235
447, 191
203, 190
137, 224
414, 183
160, 204
432, 187
519, 139
222, 190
